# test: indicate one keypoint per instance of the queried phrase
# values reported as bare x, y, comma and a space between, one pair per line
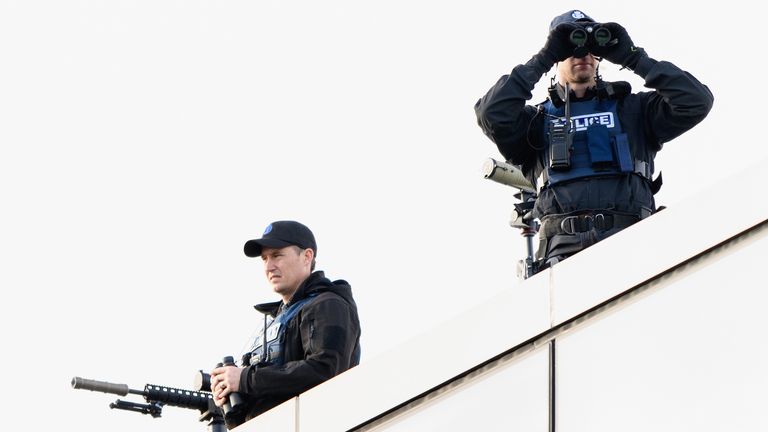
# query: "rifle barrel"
102, 386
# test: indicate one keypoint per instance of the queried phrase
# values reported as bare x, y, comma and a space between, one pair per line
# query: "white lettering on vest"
581, 122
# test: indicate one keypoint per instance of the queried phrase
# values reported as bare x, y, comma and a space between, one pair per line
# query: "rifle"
158, 396
522, 215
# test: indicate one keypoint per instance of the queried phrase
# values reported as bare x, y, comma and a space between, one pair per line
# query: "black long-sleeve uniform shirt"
322, 341
677, 103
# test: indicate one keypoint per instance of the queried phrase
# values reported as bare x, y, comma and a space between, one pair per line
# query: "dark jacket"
322, 341
650, 119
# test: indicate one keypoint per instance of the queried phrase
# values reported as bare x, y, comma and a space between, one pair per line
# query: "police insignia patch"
578, 15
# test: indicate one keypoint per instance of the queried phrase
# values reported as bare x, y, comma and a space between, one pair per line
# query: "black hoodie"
321, 341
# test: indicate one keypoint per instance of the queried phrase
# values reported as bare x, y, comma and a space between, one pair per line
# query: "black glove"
557, 48
620, 49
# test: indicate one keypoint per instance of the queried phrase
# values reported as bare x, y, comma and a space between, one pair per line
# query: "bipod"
212, 416
155, 409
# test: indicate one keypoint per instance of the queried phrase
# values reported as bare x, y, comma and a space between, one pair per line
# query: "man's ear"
309, 255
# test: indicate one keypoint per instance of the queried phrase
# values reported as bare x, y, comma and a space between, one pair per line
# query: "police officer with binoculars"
590, 147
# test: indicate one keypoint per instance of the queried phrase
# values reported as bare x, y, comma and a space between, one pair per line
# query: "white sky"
144, 141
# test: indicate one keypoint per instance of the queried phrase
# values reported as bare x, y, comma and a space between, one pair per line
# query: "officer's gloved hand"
557, 48
620, 49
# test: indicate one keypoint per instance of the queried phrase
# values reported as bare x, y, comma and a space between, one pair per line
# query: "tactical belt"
571, 225
642, 168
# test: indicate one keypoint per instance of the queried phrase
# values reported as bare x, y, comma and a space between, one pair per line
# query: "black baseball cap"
279, 235
570, 17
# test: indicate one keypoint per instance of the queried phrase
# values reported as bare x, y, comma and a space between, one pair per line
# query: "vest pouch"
623, 155
276, 329
599, 145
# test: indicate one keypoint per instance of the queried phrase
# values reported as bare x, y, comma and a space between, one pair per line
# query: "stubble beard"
583, 77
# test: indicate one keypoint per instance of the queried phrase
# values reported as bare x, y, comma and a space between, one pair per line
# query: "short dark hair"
314, 261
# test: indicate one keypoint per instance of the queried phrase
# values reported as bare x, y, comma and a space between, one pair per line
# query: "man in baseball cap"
314, 333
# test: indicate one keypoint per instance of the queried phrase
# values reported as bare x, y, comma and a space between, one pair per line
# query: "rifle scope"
506, 174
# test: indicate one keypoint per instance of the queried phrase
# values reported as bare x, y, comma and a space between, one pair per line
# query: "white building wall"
690, 355
660, 327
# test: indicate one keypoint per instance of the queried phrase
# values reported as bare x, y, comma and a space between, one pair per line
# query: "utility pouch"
623, 155
599, 145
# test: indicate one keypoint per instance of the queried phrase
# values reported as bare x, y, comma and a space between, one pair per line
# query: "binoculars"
590, 34
202, 382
